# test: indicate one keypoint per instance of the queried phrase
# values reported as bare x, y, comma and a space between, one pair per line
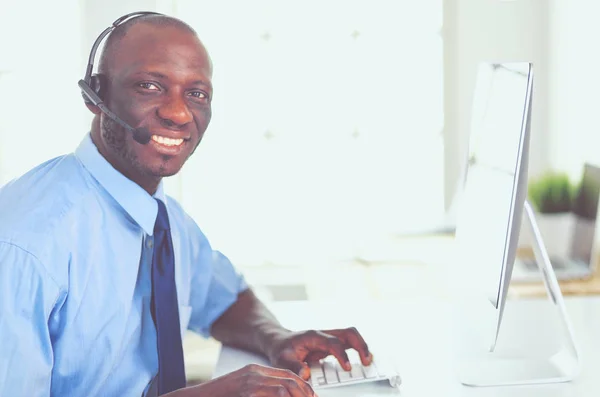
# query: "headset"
92, 85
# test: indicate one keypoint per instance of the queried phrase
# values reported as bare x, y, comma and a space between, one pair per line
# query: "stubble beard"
115, 137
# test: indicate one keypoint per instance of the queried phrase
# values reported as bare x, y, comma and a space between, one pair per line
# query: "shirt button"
149, 244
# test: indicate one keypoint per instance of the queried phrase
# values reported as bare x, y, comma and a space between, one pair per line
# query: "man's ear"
93, 108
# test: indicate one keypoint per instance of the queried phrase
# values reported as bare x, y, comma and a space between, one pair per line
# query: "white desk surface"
417, 334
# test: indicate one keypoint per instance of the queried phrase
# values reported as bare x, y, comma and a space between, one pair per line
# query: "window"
326, 130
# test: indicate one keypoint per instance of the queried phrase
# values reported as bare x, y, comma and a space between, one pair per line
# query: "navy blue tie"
165, 309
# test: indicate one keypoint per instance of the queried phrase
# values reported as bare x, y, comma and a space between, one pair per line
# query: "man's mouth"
170, 142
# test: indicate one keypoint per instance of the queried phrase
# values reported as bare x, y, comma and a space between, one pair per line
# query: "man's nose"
175, 112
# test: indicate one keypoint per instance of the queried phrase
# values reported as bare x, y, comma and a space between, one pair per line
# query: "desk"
583, 287
417, 333
577, 287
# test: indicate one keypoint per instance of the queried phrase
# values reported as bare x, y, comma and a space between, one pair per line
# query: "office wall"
559, 35
39, 68
474, 30
575, 69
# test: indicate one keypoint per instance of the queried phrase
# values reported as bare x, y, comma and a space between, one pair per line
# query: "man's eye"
148, 86
198, 94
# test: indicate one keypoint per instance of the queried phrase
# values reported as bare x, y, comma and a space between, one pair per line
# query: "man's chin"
162, 173
166, 170
169, 173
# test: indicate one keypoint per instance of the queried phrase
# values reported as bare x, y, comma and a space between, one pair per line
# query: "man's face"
159, 79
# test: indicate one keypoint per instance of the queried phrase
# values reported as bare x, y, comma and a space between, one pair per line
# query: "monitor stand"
494, 369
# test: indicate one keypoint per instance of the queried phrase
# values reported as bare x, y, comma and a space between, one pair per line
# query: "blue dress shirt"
75, 288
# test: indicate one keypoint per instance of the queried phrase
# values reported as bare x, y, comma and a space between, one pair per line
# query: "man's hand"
251, 381
291, 353
249, 325
297, 350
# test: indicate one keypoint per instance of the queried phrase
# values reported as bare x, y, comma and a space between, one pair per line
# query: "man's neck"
148, 183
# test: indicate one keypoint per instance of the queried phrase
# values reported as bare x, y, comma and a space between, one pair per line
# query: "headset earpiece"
97, 84
92, 92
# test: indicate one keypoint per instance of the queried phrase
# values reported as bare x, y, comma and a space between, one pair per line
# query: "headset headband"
121, 20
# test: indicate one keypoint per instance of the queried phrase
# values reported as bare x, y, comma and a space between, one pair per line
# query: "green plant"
552, 193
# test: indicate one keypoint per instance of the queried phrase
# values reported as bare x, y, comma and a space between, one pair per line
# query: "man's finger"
276, 390
285, 373
316, 357
351, 338
296, 366
336, 347
297, 389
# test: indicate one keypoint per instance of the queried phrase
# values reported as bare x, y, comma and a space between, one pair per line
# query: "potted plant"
552, 196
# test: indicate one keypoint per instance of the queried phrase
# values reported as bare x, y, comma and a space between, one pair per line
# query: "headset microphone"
141, 135
92, 84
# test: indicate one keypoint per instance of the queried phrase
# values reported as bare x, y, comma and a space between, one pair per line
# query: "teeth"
167, 141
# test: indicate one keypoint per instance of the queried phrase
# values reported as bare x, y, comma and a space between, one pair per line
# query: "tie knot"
162, 219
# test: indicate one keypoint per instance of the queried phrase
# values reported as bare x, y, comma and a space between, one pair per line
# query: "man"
100, 272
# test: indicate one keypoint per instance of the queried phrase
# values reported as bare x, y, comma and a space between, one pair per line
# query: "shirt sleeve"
224, 286
27, 296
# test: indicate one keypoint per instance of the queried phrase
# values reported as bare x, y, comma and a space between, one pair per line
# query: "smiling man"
157, 76
101, 272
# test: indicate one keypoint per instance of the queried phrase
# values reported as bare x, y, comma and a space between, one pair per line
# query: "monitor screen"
485, 221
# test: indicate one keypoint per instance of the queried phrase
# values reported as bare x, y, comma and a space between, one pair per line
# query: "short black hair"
120, 32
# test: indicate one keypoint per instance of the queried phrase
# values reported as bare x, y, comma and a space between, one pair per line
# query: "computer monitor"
494, 201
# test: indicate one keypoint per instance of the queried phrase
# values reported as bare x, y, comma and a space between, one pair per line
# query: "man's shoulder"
33, 206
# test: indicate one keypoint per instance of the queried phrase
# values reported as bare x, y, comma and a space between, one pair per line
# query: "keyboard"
329, 373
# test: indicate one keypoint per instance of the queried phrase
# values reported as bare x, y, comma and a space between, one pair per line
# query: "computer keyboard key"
343, 375
353, 356
317, 381
356, 372
316, 371
370, 371
330, 372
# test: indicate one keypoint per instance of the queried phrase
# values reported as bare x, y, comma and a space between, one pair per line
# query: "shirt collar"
135, 201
